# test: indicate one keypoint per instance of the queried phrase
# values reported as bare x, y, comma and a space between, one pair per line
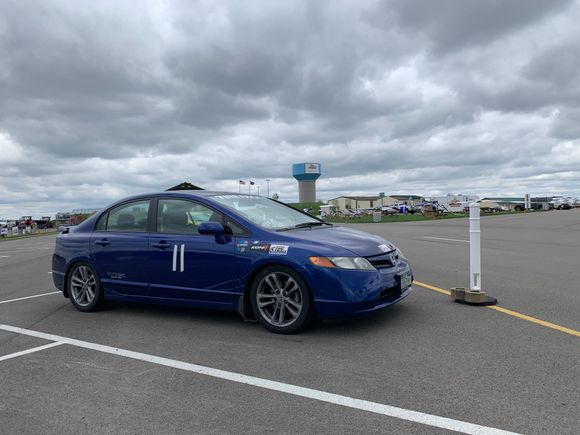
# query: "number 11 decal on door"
181, 258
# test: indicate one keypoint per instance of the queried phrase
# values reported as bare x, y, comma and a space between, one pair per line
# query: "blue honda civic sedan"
227, 251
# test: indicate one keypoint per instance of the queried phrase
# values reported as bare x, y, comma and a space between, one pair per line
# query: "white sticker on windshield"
278, 249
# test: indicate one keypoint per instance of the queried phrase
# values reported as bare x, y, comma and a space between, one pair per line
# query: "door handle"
103, 242
161, 245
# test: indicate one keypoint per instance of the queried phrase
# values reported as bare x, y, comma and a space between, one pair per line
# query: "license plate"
405, 281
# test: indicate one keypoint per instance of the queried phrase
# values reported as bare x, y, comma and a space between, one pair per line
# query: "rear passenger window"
130, 217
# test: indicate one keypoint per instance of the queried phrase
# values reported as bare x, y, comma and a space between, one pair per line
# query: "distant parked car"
562, 203
564, 206
488, 206
429, 207
387, 210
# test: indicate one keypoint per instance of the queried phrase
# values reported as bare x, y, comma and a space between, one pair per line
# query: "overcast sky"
100, 100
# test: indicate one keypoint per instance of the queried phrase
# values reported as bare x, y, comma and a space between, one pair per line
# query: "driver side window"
180, 216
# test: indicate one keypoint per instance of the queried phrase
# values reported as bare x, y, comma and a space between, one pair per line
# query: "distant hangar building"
354, 202
366, 202
306, 174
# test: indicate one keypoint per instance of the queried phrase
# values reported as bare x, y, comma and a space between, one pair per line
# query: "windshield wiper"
311, 224
304, 225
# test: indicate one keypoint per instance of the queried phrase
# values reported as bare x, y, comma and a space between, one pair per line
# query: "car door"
119, 248
185, 264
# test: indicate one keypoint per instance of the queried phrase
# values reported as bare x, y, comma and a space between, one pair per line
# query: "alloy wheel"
83, 285
279, 299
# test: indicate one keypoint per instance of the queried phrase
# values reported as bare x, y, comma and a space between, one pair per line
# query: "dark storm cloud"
567, 125
98, 100
453, 24
294, 57
76, 82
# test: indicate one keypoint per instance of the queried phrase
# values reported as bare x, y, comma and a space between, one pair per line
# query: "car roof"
181, 193
202, 193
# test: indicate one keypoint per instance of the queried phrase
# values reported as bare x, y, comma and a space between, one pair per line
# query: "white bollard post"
475, 295
474, 247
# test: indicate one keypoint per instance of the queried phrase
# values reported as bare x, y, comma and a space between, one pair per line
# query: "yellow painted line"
510, 312
430, 287
534, 320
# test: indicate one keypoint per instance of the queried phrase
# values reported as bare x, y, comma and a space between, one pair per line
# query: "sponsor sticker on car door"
278, 249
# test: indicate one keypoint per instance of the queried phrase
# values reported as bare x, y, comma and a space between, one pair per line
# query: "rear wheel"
281, 300
84, 288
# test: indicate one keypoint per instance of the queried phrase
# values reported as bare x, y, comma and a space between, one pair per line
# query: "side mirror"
215, 228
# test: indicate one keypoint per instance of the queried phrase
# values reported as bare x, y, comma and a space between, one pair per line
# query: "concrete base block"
471, 297
458, 293
474, 297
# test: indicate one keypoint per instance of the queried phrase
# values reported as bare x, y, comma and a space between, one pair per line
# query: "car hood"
358, 242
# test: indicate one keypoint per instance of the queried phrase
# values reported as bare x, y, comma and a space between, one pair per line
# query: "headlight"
357, 263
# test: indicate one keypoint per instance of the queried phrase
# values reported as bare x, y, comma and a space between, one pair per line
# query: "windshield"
265, 212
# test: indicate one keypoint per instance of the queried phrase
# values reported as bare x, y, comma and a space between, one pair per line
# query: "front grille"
383, 261
390, 293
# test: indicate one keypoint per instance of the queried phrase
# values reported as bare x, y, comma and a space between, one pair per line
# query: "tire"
281, 300
84, 288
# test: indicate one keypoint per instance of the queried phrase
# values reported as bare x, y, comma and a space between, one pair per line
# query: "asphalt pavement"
426, 354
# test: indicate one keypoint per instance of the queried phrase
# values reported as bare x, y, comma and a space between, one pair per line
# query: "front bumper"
329, 309
339, 293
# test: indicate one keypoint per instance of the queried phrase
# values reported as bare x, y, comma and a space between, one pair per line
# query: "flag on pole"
242, 182
252, 183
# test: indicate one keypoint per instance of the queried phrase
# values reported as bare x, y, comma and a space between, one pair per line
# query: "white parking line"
18, 250
322, 396
26, 352
29, 297
449, 240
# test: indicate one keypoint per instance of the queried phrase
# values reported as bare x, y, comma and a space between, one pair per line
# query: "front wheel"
84, 288
281, 300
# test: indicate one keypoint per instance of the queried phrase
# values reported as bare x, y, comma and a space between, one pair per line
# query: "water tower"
306, 174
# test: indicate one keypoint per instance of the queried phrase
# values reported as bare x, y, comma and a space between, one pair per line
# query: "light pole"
268, 187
